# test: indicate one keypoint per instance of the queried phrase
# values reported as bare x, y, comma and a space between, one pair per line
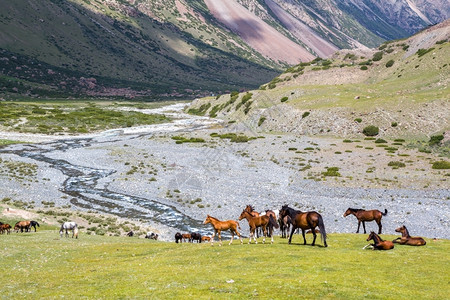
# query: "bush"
284, 99
261, 120
380, 141
359, 120
390, 63
305, 114
364, 68
332, 171
377, 56
440, 165
394, 124
396, 164
435, 140
370, 130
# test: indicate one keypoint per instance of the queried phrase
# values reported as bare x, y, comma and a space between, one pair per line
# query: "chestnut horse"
223, 226
366, 216
380, 244
22, 225
261, 221
5, 227
406, 239
305, 220
186, 236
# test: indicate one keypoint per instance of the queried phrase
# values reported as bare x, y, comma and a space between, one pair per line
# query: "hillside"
401, 87
183, 48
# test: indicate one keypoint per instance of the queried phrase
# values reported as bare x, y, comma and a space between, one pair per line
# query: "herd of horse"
288, 218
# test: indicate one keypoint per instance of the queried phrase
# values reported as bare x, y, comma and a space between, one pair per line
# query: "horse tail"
323, 233
238, 225
273, 222
385, 212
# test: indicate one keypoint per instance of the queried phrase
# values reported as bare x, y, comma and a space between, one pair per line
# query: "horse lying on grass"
406, 239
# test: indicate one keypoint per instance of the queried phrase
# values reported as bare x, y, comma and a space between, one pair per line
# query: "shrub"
377, 56
390, 63
440, 165
435, 140
364, 68
380, 141
359, 120
261, 120
305, 114
370, 130
284, 99
394, 124
396, 164
422, 52
332, 171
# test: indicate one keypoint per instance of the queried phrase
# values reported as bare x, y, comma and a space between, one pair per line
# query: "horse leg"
264, 234
292, 233
304, 237
212, 238
359, 224
313, 230
364, 226
379, 226
220, 238
232, 237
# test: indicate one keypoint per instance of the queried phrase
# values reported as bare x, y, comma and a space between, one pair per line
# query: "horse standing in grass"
22, 225
69, 226
220, 226
406, 239
305, 220
34, 224
380, 244
366, 216
178, 237
285, 225
5, 228
255, 222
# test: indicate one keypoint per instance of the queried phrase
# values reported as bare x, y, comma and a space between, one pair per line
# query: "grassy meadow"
42, 265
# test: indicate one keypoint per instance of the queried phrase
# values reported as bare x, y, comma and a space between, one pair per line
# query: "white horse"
69, 226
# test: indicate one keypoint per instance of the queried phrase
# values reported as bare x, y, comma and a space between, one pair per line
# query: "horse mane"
406, 230
355, 209
213, 218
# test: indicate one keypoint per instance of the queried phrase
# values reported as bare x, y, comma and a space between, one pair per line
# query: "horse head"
207, 220
372, 236
348, 212
400, 229
243, 214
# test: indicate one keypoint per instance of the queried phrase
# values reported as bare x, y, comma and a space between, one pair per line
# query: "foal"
223, 226
406, 239
380, 244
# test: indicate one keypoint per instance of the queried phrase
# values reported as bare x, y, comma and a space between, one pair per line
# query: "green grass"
118, 267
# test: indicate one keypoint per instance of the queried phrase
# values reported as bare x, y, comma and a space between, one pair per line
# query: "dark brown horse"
366, 216
22, 225
196, 237
220, 226
380, 244
255, 222
406, 239
5, 228
178, 237
305, 220
285, 225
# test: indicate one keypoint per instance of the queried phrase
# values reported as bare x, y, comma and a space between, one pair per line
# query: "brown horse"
5, 227
22, 225
254, 213
285, 225
380, 244
186, 236
255, 222
305, 220
220, 226
366, 216
206, 239
406, 239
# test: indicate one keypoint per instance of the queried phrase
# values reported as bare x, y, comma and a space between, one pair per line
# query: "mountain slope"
402, 87
184, 48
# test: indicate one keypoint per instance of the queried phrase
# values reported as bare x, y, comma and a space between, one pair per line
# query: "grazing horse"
196, 237
220, 226
406, 239
178, 237
69, 226
261, 221
186, 236
34, 224
206, 239
22, 225
380, 244
130, 234
305, 220
366, 216
5, 227
151, 236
